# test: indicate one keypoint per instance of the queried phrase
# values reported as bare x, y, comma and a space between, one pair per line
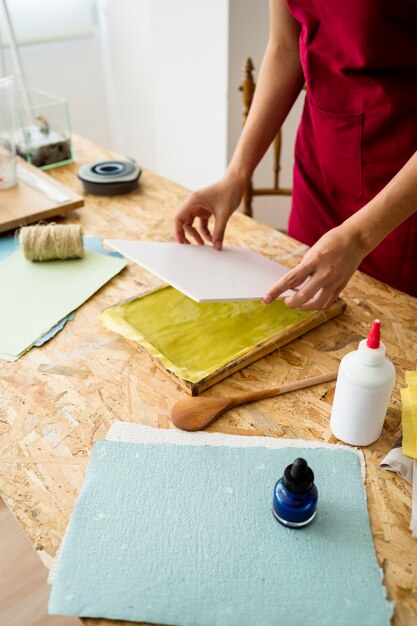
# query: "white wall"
166, 74
72, 70
248, 36
159, 82
172, 72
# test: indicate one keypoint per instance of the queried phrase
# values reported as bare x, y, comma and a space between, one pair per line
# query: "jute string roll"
46, 242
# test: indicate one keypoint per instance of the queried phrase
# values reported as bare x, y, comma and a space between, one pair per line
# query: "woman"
355, 173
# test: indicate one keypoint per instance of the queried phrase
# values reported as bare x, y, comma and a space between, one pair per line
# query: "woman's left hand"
328, 266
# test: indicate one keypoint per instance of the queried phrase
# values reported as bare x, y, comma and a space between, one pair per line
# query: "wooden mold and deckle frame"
119, 319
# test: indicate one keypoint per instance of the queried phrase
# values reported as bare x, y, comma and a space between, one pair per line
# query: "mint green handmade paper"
184, 534
35, 296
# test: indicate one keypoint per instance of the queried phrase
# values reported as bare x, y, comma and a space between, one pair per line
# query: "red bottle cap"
374, 337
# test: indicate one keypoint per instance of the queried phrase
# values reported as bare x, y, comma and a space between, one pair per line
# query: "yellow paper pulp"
409, 415
195, 339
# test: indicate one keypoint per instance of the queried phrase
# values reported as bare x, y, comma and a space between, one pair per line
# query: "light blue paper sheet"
8, 245
95, 244
184, 534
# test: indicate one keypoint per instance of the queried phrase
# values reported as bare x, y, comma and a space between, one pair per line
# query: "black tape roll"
110, 178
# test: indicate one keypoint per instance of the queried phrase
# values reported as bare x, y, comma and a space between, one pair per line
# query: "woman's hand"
218, 201
328, 266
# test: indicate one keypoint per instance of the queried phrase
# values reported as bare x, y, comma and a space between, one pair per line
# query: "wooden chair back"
248, 89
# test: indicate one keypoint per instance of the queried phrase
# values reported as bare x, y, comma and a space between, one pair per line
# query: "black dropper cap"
298, 477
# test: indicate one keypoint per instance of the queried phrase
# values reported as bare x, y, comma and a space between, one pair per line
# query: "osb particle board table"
58, 399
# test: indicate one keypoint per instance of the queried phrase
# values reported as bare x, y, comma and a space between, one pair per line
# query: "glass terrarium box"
44, 129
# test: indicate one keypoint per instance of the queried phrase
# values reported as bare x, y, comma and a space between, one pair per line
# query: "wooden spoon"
197, 413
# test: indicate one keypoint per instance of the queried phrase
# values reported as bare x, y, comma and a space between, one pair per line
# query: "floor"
23, 588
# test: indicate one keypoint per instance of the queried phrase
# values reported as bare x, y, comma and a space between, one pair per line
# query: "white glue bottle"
363, 389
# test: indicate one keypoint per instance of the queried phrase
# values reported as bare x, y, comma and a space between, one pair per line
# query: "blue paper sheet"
184, 534
54, 330
8, 245
95, 244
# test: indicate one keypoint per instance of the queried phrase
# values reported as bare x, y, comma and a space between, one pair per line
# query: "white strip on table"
51, 191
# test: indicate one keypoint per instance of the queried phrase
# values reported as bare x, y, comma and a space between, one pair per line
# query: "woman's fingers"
186, 225
305, 294
293, 279
219, 228
184, 220
179, 231
323, 299
329, 264
205, 229
193, 232
315, 302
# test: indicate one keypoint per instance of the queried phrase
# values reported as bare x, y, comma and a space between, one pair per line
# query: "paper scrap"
395, 461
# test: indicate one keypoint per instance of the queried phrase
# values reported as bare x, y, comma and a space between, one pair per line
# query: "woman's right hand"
219, 200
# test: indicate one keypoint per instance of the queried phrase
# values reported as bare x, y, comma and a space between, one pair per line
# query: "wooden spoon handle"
276, 391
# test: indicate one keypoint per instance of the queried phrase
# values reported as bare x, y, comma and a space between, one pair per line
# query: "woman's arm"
330, 263
280, 81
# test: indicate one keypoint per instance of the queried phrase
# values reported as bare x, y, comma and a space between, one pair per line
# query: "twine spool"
46, 242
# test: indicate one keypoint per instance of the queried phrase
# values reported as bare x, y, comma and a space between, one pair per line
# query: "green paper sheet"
35, 296
195, 339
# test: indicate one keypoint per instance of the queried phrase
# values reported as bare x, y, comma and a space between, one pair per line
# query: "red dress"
359, 124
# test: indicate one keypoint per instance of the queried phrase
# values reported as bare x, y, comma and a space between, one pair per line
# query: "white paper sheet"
203, 273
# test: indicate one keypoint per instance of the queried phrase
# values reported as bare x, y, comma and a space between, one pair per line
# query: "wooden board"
57, 400
22, 204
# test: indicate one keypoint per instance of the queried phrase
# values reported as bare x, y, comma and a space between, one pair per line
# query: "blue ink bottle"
295, 495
